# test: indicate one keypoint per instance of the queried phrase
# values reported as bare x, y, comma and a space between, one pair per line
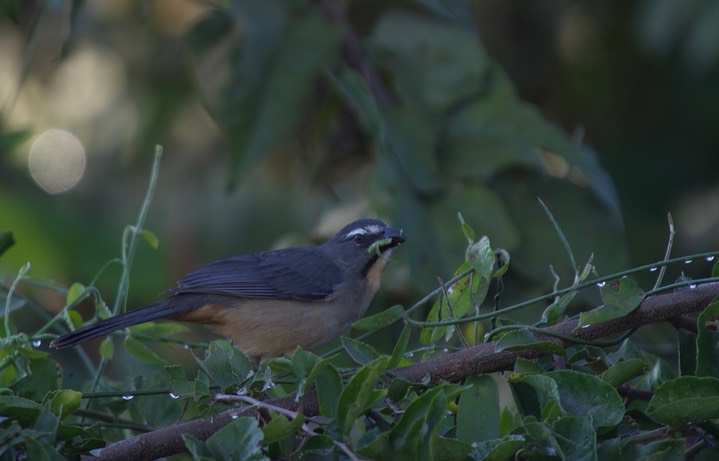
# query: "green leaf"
358, 95
587, 395
466, 228
540, 442
18, 407
201, 386
360, 352
620, 298
150, 238
39, 381
321, 444
434, 64
75, 318
107, 348
610, 450
224, 364
6, 241
503, 259
242, 63
358, 393
102, 310
180, 385
661, 450
398, 389
523, 339
707, 358
303, 362
498, 449
577, 394
36, 450
532, 393
555, 311
280, 427
417, 429
400, 347
478, 410
328, 382
140, 351
577, 437
481, 257
74, 292
47, 422
239, 440
685, 399
462, 296
409, 139
64, 402
623, 371
380, 319
197, 448
525, 366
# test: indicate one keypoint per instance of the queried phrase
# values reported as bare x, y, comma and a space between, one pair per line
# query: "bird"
269, 303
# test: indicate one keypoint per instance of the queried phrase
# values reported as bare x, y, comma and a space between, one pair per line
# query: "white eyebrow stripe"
371, 229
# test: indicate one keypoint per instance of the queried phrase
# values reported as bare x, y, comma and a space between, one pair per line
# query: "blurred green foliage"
319, 112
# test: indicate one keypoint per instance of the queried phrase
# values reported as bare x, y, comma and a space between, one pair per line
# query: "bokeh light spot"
57, 160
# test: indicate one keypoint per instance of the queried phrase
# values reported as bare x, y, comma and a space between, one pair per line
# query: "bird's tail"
159, 310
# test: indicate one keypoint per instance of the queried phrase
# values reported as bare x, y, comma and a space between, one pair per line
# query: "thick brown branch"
168, 441
451, 367
482, 358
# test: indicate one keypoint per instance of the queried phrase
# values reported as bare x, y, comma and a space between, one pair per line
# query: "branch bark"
451, 367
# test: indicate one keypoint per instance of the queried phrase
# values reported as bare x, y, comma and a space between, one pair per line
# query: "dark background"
636, 82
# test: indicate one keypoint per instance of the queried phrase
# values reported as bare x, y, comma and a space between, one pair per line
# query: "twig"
129, 248
668, 252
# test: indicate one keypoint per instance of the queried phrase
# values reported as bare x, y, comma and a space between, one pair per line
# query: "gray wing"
293, 273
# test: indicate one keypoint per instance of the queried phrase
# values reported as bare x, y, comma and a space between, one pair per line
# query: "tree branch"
451, 367
483, 359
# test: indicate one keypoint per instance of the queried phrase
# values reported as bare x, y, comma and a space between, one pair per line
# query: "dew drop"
174, 396
601, 284
234, 416
653, 269
128, 397
710, 258
692, 286
475, 444
445, 350
409, 354
185, 346
36, 343
688, 261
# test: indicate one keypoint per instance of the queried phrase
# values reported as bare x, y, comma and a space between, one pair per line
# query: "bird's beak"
392, 238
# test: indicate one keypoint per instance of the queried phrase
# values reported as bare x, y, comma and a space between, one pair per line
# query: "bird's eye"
360, 239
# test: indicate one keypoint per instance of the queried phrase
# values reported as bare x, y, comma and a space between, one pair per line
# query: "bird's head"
361, 243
